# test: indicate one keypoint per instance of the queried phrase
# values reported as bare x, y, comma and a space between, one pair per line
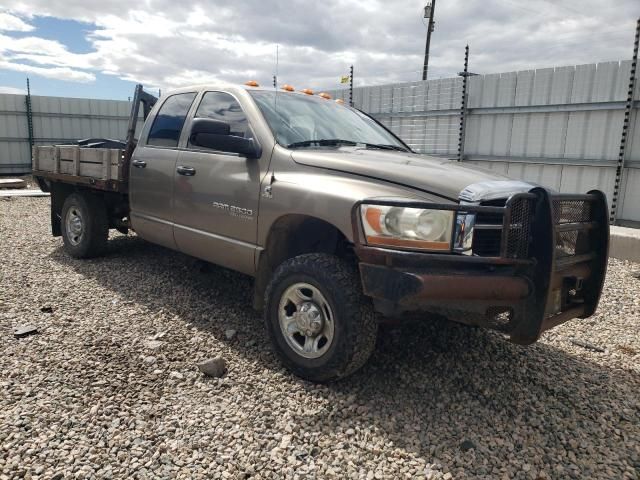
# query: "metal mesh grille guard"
517, 230
567, 236
572, 218
555, 244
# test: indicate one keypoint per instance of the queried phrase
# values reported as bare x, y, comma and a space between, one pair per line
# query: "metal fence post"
29, 119
351, 86
628, 109
463, 105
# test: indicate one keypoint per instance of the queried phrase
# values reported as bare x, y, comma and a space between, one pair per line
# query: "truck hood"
443, 178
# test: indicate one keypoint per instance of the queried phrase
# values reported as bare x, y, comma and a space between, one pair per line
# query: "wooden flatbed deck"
100, 168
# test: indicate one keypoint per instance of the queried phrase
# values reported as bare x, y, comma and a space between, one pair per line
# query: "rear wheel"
85, 227
320, 323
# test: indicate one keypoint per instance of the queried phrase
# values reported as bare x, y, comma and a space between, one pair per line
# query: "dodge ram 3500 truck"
338, 221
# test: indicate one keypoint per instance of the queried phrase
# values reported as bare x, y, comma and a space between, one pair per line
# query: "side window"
166, 128
222, 106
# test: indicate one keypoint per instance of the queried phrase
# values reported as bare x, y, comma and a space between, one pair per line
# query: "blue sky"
73, 34
105, 86
101, 49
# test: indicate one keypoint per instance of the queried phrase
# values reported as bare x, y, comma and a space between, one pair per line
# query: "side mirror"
214, 134
209, 125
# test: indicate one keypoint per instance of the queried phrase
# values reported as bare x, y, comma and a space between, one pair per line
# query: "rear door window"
167, 126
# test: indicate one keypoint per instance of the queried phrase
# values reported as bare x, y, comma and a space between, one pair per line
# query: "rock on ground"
78, 401
214, 367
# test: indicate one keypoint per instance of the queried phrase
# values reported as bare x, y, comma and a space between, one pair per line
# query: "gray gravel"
110, 388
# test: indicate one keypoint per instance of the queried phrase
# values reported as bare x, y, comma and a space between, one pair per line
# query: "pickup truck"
340, 223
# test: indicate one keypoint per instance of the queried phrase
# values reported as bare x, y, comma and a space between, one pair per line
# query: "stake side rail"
105, 169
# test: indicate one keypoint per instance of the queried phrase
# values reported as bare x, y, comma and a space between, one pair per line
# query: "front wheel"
85, 226
320, 323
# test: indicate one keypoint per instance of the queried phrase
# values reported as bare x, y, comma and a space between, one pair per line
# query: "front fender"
325, 195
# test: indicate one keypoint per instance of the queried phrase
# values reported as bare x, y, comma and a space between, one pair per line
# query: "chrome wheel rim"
75, 226
306, 320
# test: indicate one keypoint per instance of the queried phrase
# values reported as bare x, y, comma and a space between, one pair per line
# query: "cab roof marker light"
252, 83
308, 91
325, 95
340, 101
288, 88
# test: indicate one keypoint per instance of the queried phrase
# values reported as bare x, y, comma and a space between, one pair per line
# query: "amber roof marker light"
325, 95
340, 101
308, 91
288, 88
252, 83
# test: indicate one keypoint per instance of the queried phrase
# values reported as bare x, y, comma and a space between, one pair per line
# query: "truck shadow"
429, 387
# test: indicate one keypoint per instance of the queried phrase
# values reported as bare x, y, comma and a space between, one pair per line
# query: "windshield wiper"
323, 142
386, 147
330, 142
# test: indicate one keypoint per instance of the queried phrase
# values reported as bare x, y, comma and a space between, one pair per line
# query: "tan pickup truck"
338, 221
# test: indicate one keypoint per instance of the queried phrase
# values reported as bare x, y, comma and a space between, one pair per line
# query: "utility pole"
351, 87
429, 11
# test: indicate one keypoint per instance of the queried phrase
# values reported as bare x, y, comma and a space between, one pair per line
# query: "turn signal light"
289, 88
308, 91
252, 83
325, 95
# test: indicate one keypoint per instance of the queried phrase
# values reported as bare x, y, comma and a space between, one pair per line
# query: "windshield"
305, 121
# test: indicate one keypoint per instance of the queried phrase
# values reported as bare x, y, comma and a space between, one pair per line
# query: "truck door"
216, 193
152, 168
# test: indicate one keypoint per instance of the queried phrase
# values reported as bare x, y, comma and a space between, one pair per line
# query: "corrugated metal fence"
55, 120
560, 127
424, 114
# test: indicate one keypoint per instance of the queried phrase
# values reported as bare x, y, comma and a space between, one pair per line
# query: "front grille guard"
576, 222
568, 238
516, 226
525, 216
558, 242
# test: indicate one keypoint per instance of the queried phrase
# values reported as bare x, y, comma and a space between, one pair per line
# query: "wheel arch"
117, 204
59, 193
292, 235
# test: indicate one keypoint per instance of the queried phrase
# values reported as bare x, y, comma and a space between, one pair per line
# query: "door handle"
186, 171
139, 163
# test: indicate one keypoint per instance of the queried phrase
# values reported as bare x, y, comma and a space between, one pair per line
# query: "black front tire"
90, 238
355, 323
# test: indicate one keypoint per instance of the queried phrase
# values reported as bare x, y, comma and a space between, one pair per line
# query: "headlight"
414, 228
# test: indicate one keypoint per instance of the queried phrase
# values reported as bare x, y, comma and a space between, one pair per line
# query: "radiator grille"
487, 237
487, 233
571, 219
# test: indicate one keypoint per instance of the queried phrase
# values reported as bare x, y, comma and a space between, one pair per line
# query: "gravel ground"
109, 387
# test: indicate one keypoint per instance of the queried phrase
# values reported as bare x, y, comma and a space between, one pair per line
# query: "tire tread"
343, 282
97, 225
